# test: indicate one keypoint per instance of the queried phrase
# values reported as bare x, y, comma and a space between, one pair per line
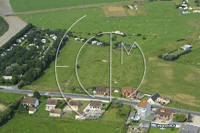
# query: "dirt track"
15, 25
5, 7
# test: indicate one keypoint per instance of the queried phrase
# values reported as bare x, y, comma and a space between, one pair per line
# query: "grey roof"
187, 128
100, 89
154, 96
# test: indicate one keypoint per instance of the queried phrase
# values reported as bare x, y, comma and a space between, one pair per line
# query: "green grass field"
115, 114
3, 26
27, 123
10, 96
175, 80
23, 5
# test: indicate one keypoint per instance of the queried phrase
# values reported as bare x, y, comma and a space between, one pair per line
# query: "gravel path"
15, 25
5, 7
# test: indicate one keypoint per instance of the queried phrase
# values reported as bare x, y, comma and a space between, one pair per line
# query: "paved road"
15, 25
82, 96
5, 7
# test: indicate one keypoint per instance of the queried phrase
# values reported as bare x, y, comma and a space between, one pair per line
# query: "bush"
36, 94
179, 118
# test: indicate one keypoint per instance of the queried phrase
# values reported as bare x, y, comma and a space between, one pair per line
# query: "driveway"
15, 25
5, 7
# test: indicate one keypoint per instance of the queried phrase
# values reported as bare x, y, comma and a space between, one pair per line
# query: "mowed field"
27, 123
176, 80
23, 5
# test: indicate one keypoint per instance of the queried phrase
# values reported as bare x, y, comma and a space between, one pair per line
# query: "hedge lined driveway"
5, 7
15, 25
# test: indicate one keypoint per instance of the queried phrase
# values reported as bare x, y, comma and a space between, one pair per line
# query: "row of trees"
7, 113
171, 57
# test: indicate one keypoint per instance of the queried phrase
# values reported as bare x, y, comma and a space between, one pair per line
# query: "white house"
44, 41
14, 44
94, 42
34, 39
116, 90
56, 112
2, 55
30, 101
31, 44
82, 40
185, 47
95, 104
32, 111
80, 115
43, 47
77, 39
52, 104
143, 108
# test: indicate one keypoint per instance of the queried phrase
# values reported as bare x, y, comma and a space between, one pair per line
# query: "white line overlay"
56, 76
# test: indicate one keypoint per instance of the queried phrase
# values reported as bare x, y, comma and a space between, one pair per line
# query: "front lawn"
116, 114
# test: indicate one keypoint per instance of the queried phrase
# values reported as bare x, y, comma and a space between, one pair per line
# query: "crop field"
176, 80
3, 26
21, 123
23, 5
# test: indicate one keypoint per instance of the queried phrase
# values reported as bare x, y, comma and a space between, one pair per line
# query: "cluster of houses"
93, 109
151, 116
132, 93
51, 106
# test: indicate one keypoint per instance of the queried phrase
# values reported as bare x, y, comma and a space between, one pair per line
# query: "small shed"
32, 111
185, 47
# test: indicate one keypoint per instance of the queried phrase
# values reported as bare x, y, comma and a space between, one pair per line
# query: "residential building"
156, 99
102, 90
7, 77
127, 91
75, 105
56, 112
52, 104
96, 105
32, 111
143, 108
80, 115
187, 128
163, 113
30, 101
